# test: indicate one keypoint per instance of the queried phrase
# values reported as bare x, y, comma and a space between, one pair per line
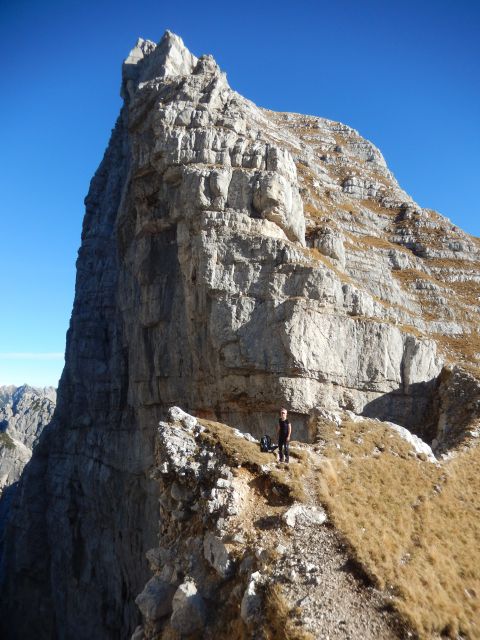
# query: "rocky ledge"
246, 549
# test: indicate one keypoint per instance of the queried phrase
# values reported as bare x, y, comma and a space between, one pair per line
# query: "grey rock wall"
80, 521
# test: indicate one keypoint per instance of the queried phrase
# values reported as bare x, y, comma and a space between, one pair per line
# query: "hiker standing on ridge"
284, 431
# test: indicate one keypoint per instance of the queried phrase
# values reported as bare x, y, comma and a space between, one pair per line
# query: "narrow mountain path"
318, 580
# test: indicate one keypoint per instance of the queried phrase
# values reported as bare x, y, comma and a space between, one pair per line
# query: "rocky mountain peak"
147, 61
24, 412
233, 260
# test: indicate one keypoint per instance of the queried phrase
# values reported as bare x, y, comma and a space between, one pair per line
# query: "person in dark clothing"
284, 431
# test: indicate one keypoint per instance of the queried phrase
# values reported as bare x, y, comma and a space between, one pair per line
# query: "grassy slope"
414, 526
247, 454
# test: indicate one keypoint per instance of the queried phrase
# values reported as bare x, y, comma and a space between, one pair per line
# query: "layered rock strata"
232, 259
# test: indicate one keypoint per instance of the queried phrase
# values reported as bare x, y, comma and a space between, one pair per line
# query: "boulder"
217, 555
300, 515
188, 609
251, 606
155, 601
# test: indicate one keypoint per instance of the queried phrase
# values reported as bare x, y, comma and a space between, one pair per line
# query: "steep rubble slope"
232, 259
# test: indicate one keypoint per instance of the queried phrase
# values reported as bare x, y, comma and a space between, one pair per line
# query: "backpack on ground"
266, 445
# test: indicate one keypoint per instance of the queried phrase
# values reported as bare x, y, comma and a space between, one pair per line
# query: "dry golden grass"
409, 276
305, 173
311, 210
468, 292
467, 345
462, 349
453, 263
279, 617
376, 207
349, 246
380, 243
414, 526
348, 206
409, 328
308, 131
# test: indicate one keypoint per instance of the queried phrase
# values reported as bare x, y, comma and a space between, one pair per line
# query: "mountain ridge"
24, 413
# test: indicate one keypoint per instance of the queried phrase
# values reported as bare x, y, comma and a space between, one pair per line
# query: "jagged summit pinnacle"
170, 57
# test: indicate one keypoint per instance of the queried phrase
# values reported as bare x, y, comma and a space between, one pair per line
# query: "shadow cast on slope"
415, 408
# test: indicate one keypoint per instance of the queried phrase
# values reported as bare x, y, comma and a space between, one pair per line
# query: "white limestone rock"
189, 611
251, 605
360, 188
217, 555
299, 515
177, 447
330, 243
175, 414
416, 443
274, 199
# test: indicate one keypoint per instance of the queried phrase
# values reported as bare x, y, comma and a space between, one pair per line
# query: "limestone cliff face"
232, 259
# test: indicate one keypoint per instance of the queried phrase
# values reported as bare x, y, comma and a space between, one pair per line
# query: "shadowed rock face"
79, 526
223, 268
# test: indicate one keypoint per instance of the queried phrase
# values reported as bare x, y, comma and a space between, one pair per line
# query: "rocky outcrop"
457, 415
232, 539
232, 259
24, 412
233, 313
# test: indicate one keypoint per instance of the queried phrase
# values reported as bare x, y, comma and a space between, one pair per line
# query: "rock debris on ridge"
226, 539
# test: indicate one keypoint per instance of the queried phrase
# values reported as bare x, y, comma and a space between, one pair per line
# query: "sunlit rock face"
233, 259
24, 412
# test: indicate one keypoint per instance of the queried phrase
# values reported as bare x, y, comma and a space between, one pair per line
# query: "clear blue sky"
405, 74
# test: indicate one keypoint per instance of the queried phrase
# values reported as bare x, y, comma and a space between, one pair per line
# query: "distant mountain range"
24, 412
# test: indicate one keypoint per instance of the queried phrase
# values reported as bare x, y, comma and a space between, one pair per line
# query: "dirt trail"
329, 598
